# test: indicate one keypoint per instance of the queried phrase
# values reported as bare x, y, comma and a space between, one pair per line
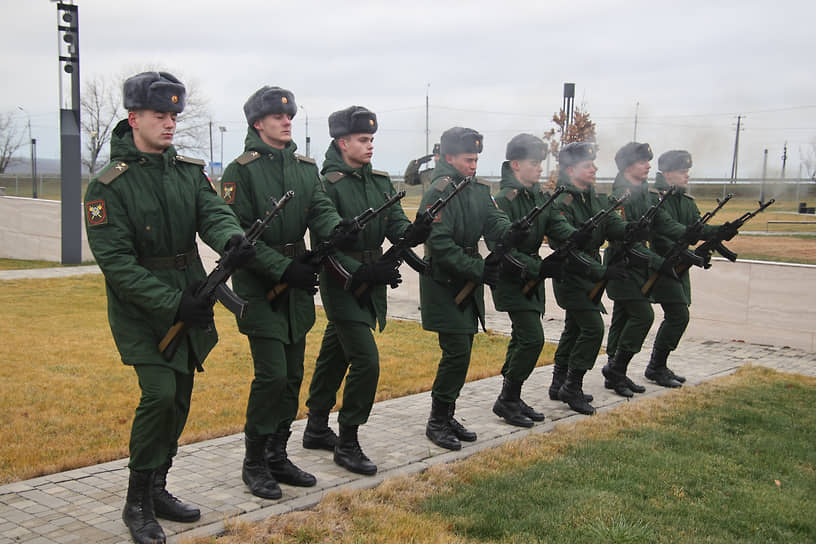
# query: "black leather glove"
344, 235
667, 269
552, 268
616, 272
240, 249
492, 270
302, 274
727, 231
635, 232
195, 311
582, 238
381, 272
517, 233
417, 232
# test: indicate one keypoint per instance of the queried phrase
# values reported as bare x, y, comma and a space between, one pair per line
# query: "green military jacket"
248, 183
639, 202
517, 200
460, 225
148, 206
578, 205
682, 208
354, 190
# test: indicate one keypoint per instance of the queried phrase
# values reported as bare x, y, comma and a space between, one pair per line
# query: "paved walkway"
84, 505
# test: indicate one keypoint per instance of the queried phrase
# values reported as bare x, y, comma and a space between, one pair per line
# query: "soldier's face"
638, 171
357, 149
464, 163
528, 171
275, 129
678, 178
582, 174
152, 130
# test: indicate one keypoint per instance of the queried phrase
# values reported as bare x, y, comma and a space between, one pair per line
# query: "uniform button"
147, 227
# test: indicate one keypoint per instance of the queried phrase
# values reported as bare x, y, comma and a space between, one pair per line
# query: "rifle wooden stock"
464, 293
647, 287
597, 291
172, 340
275, 292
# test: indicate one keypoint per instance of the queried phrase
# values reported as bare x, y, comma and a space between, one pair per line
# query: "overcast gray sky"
496, 66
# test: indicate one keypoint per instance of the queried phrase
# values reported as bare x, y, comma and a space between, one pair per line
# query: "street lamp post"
308, 139
70, 145
33, 145
222, 130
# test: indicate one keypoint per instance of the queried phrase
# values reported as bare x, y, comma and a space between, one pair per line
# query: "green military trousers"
675, 321
273, 395
581, 340
347, 346
160, 416
631, 321
453, 366
526, 342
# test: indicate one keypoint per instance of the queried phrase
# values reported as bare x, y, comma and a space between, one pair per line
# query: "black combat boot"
681, 379
457, 428
508, 405
657, 371
165, 505
559, 374
348, 453
614, 373
138, 513
438, 428
280, 467
318, 435
255, 471
530, 412
572, 392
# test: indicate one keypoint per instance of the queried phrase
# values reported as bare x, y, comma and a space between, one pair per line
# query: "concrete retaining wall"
30, 229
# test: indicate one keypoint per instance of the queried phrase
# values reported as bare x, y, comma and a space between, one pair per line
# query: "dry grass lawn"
68, 400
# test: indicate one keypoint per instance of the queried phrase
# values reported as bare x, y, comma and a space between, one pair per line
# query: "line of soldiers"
144, 210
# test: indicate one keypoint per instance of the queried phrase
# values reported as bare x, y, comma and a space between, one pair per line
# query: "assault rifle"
214, 285
680, 255
324, 252
705, 249
570, 246
401, 250
628, 253
502, 249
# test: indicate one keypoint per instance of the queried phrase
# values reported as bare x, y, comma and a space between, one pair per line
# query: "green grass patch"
737, 465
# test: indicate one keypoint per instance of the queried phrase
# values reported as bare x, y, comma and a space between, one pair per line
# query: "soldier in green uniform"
413, 176
673, 295
142, 215
453, 253
276, 329
520, 193
583, 328
348, 343
632, 313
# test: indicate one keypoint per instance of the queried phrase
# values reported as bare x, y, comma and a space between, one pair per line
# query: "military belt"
366, 256
292, 250
179, 261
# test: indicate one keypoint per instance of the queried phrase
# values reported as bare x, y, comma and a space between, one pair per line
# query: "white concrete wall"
30, 228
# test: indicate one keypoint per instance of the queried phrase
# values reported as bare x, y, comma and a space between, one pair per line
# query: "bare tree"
101, 103
11, 138
102, 108
807, 154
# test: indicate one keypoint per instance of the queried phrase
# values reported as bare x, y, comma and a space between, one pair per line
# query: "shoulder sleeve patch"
247, 157
112, 173
228, 192
304, 158
511, 195
190, 160
334, 177
442, 183
381, 173
96, 213
567, 200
